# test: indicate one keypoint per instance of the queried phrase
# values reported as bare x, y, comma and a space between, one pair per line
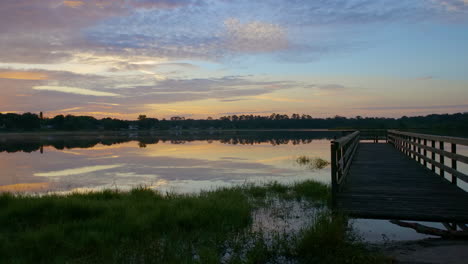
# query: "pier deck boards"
384, 183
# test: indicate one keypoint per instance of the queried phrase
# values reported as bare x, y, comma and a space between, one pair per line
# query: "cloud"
453, 5
51, 31
109, 96
331, 87
254, 36
190, 29
234, 100
23, 75
280, 99
160, 3
73, 4
244, 113
425, 78
73, 90
412, 107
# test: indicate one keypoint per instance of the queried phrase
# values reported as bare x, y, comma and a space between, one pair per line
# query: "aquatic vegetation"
329, 239
312, 163
227, 225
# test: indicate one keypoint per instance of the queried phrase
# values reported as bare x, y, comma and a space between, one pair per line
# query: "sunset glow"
196, 59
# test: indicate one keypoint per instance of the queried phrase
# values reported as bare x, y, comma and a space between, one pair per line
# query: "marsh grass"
330, 240
143, 226
312, 163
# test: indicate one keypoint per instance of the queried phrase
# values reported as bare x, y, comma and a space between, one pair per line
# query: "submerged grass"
143, 226
312, 163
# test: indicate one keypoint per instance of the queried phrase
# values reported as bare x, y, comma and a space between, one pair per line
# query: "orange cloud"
23, 187
73, 4
23, 75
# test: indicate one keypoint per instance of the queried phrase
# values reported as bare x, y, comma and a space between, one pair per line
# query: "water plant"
312, 163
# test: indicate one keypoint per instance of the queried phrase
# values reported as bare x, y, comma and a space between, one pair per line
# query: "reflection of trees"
36, 142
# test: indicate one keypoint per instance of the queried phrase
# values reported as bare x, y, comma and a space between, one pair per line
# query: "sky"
196, 58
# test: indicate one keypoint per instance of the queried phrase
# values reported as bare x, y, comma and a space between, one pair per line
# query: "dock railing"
425, 149
342, 153
374, 135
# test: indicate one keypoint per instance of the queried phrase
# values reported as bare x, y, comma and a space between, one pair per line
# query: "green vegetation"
312, 163
143, 226
329, 241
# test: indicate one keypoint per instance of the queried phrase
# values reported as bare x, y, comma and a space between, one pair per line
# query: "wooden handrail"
373, 134
346, 139
454, 140
342, 153
416, 146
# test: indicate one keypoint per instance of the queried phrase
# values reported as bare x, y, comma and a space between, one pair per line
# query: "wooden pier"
401, 179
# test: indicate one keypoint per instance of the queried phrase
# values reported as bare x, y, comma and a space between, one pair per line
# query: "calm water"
186, 162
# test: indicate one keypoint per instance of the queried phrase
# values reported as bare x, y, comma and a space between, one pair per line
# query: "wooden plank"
384, 183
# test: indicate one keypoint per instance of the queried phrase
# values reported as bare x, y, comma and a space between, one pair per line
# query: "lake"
182, 162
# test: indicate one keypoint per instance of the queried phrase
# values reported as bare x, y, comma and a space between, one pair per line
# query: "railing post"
406, 145
417, 146
419, 151
442, 158
411, 147
433, 156
454, 163
334, 171
339, 155
425, 152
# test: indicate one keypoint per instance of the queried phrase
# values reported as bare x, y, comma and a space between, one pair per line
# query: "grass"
329, 240
312, 163
143, 226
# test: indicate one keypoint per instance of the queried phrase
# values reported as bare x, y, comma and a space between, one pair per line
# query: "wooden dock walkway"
382, 181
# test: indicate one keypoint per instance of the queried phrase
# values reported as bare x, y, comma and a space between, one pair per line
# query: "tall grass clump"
329, 240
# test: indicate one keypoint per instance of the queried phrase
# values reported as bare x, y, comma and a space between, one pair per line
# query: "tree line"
36, 122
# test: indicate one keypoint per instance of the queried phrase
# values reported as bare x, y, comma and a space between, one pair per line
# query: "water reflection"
379, 231
30, 143
177, 163
77, 171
